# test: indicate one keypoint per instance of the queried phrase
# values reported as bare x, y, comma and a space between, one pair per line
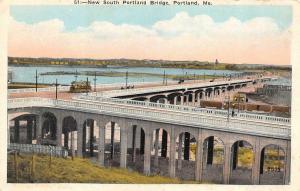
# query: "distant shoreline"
128, 63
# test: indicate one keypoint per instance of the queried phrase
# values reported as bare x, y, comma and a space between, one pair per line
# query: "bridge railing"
27, 90
29, 102
184, 118
194, 119
212, 112
40, 149
124, 92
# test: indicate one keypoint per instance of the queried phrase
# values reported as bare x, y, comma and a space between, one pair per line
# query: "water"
27, 74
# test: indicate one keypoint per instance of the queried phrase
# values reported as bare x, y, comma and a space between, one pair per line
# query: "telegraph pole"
36, 80
95, 79
87, 84
164, 78
126, 79
76, 75
56, 84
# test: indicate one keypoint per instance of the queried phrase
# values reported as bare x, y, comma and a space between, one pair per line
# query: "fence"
40, 149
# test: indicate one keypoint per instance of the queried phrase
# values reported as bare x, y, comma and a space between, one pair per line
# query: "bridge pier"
59, 132
198, 99
29, 128
17, 131
181, 100
80, 142
193, 99
147, 151
172, 161
137, 139
199, 156
175, 100
134, 128
180, 152
287, 165
227, 162
101, 143
112, 137
156, 147
72, 144
39, 126
256, 162
124, 136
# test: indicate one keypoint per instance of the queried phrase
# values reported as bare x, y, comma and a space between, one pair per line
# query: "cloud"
182, 37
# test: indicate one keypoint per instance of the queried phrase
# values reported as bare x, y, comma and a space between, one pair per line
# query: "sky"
231, 34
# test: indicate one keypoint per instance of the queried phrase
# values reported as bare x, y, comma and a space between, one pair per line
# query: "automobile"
180, 81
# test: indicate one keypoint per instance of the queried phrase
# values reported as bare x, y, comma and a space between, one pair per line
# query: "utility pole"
126, 79
36, 80
56, 84
164, 77
87, 84
227, 102
76, 75
166, 80
95, 79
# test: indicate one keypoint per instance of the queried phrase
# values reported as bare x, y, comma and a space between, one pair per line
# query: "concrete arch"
272, 164
49, 126
188, 92
16, 131
242, 162
229, 88
163, 140
69, 124
140, 99
157, 97
160, 151
186, 145
90, 132
237, 86
173, 95
13, 116
112, 149
213, 158
199, 90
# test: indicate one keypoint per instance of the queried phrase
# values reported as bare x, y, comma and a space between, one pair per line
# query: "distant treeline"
142, 63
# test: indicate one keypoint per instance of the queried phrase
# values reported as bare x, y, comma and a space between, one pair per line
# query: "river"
27, 73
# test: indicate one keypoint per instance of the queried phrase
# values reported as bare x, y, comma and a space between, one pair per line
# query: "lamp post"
227, 103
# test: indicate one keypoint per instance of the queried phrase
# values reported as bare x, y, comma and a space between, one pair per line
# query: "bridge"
172, 138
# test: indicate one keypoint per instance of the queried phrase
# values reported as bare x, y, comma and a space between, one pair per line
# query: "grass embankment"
84, 171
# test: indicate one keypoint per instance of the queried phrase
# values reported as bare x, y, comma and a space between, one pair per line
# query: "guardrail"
41, 149
246, 124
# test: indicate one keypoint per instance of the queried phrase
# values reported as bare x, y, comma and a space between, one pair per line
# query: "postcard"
134, 94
